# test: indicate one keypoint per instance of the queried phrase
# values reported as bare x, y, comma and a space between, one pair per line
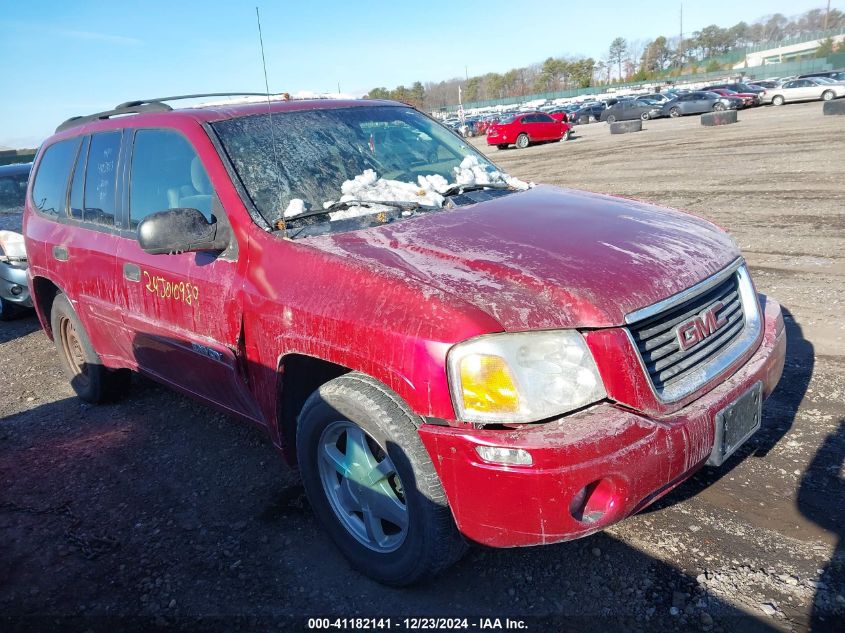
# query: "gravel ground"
157, 511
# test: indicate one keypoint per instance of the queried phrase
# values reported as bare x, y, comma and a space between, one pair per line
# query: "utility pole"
681, 41
827, 15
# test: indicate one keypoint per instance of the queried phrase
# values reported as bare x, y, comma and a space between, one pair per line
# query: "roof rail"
148, 105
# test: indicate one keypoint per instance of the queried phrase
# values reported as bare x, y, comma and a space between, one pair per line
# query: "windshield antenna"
270, 115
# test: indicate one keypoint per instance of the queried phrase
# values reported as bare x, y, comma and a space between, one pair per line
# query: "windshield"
309, 159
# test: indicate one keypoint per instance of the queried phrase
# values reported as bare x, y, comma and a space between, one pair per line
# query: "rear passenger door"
184, 310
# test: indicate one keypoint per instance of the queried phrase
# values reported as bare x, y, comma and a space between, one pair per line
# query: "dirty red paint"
391, 301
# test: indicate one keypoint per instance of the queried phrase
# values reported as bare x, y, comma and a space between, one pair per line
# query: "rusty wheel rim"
74, 354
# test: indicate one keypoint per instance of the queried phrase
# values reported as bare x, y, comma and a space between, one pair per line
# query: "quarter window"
49, 192
166, 174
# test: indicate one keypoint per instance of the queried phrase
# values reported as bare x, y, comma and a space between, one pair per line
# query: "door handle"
131, 272
60, 253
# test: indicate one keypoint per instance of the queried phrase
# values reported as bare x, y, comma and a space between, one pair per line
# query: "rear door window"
77, 187
101, 179
49, 192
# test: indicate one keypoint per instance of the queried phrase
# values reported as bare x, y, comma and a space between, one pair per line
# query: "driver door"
183, 310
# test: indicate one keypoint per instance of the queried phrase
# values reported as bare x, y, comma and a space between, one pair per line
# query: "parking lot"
161, 508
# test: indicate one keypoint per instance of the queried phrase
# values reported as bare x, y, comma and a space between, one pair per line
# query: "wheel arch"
44, 292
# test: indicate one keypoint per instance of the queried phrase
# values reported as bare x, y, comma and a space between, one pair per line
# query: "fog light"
499, 455
16, 290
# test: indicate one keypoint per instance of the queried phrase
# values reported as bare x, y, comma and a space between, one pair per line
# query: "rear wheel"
828, 95
89, 378
611, 119
777, 100
644, 116
718, 106
522, 141
371, 482
674, 113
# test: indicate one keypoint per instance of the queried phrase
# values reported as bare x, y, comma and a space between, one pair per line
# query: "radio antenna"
272, 128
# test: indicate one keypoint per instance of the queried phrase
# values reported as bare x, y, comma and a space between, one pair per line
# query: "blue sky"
63, 58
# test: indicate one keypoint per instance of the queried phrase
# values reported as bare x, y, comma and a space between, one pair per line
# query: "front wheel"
674, 113
644, 116
718, 107
611, 119
828, 95
566, 135
371, 482
522, 141
777, 100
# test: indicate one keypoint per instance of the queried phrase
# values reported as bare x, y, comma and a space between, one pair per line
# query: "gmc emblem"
691, 332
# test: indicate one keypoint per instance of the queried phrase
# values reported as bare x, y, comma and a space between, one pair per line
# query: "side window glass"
166, 174
101, 179
12, 193
49, 192
545, 118
77, 187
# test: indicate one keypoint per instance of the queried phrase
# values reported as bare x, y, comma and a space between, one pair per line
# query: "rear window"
49, 192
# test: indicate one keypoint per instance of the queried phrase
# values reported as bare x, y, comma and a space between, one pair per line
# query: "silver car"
808, 89
14, 292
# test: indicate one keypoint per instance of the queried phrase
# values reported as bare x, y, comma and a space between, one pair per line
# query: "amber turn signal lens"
487, 385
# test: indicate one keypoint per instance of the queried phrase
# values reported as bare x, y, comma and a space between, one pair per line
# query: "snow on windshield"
427, 191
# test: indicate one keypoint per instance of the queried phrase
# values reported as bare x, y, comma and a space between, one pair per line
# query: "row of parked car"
553, 123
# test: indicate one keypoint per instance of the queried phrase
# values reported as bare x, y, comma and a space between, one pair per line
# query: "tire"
501, 146
91, 381
718, 107
644, 116
674, 113
8, 310
828, 95
420, 538
778, 100
566, 136
522, 141
611, 119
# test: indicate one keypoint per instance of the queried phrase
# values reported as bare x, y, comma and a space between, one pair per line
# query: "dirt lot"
157, 511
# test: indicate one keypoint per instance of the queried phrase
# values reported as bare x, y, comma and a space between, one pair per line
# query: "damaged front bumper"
589, 469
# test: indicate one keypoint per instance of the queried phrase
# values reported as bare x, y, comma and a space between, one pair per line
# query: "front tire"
566, 135
371, 482
718, 107
611, 119
828, 95
522, 141
674, 113
90, 379
777, 100
644, 116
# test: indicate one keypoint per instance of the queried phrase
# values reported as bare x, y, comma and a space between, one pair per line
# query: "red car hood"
546, 257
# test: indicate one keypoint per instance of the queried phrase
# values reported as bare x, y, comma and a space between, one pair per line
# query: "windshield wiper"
451, 189
346, 204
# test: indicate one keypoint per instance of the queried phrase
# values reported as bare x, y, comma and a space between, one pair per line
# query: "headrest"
199, 179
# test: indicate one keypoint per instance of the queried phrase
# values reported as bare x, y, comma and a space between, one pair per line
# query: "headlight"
523, 376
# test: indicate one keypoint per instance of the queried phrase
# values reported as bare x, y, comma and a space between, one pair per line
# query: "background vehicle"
749, 99
836, 75
803, 90
630, 109
738, 86
591, 110
698, 102
766, 83
655, 97
523, 129
14, 291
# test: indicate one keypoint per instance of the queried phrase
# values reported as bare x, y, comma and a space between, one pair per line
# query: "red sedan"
749, 99
525, 128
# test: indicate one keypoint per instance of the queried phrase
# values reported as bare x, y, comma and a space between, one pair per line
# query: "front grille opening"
657, 340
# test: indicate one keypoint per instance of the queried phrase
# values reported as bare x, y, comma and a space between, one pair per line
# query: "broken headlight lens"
523, 376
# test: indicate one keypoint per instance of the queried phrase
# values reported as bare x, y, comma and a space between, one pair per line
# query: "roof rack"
148, 105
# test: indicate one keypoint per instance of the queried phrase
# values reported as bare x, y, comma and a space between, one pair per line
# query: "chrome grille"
657, 338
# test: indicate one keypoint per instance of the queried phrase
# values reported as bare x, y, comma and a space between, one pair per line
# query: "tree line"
637, 60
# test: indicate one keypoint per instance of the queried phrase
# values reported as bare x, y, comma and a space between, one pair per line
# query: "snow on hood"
428, 190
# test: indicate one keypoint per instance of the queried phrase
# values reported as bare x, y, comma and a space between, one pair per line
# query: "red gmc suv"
446, 353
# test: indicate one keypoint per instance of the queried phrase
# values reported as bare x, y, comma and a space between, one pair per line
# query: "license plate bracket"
736, 423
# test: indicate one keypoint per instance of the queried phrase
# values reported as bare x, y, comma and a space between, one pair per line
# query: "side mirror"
180, 231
